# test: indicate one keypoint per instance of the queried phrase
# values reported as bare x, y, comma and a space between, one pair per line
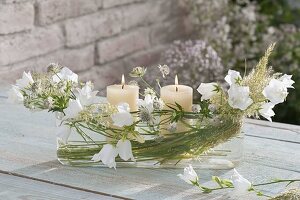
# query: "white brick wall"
99, 39
16, 18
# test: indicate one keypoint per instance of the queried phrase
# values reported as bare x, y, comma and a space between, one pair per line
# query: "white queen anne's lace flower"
238, 97
65, 74
164, 69
107, 155
266, 111
189, 175
123, 117
207, 90
232, 77
241, 185
124, 149
276, 91
25, 80
15, 96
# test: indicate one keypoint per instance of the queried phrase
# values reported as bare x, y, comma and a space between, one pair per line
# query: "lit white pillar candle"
123, 93
181, 94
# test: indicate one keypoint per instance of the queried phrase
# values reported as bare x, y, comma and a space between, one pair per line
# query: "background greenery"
241, 30
283, 12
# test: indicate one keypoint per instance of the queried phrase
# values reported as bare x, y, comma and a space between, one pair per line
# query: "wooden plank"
273, 124
273, 131
273, 153
13, 188
146, 184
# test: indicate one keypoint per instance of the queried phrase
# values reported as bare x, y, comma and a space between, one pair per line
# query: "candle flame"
123, 81
176, 82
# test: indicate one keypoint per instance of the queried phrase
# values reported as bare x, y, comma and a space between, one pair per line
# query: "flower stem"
277, 181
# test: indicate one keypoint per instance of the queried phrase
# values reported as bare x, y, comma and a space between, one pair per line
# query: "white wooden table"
29, 169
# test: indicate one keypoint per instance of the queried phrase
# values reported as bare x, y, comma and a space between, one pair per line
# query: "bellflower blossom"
276, 91
233, 77
65, 74
25, 81
123, 117
125, 150
86, 94
73, 109
241, 185
207, 90
15, 96
107, 155
238, 97
266, 111
189, 175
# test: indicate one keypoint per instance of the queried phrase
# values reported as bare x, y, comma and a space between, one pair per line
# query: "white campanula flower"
266, 111
241, 185
238, 97
107, 155
86, 95
123, 116
65, 74
125, 150
189, 175
73, 109
207, 90
63, 133
287, 80
275, 91
25, 81
15, 96
233, 77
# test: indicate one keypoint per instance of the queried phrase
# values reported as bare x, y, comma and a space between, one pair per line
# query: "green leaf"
179, 106
227, 182
217, 180
205, 189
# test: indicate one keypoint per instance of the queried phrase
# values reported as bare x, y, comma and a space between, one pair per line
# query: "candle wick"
176, 89
123, 86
